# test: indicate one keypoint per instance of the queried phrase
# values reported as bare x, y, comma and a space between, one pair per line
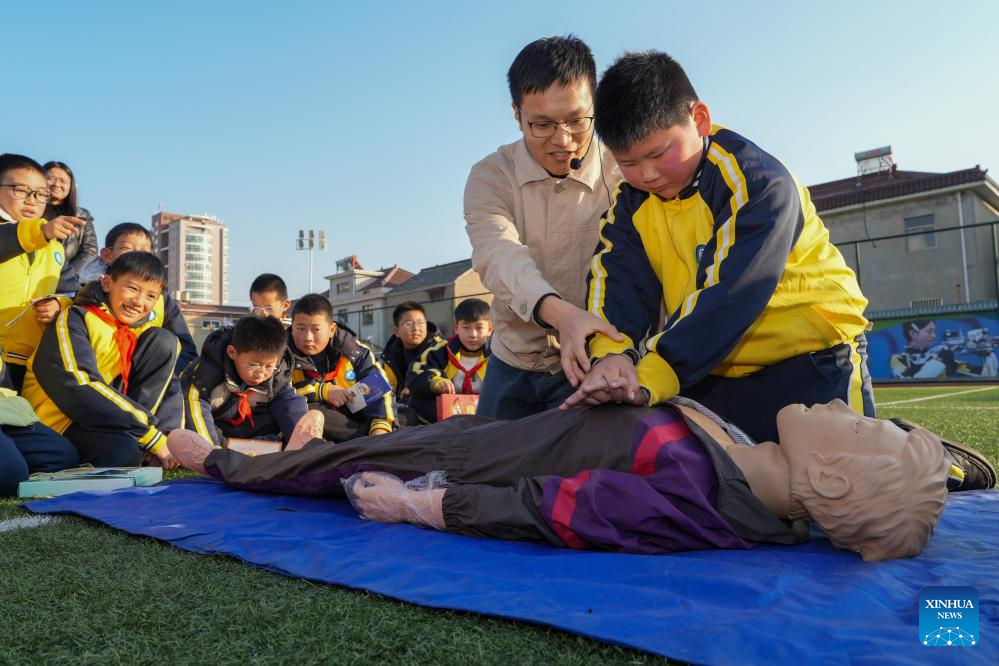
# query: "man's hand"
574, 326
46, 310
61, 227
337, 396
612, 379
445, 387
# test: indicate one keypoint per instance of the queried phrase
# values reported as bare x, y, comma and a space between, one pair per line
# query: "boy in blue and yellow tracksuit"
456, 365
240, 385
760, 309
103, 374
328, 360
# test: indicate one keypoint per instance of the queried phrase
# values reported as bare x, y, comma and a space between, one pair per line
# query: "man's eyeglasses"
23, 192
414, 323
545, 128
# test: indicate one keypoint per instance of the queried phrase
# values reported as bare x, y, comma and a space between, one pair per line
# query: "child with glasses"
412, 335
269, 298
32, 261
240, 386
456, 365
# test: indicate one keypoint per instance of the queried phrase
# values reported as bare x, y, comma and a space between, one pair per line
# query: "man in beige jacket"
532, 210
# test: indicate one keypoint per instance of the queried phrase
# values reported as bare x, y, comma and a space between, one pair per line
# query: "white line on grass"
27, 522
934, 397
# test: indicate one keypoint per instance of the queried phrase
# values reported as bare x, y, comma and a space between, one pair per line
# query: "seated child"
132, 237
329, 359
411, 336
455, 365
240, 385
103, 374
32, 261
269, 297
625, 479
27, 446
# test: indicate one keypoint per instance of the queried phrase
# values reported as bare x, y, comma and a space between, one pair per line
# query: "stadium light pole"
311, 240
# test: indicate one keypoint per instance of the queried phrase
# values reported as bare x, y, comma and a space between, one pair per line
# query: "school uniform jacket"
209, 386
739, 261
344, 362
30, 267
70, 375
393, 358
448, 360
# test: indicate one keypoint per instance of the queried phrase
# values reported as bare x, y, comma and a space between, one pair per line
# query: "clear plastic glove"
384, 497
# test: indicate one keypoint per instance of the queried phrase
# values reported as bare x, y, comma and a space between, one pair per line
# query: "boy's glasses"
545, 128
414, 323
269, 310
23, 192
265, 369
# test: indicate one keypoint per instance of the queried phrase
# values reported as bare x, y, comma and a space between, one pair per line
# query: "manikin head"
872, 487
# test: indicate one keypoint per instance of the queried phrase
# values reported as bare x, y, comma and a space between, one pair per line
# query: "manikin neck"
768, 474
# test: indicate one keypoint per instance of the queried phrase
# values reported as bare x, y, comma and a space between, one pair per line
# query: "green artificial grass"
76, 592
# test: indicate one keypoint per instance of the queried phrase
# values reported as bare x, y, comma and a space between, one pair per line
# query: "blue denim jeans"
508, 393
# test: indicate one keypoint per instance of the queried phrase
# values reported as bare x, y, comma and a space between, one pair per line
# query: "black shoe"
979, 474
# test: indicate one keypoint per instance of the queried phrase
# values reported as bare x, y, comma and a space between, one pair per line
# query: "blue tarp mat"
774, 605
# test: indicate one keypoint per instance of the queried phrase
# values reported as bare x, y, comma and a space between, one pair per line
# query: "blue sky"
364, 120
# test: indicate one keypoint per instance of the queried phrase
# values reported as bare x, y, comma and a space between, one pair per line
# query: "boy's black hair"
269, 282
14, 162
471, 310
639, 94
68, 205
549, 60
265, 335
313, 304
403, 308
144, 265
125, 229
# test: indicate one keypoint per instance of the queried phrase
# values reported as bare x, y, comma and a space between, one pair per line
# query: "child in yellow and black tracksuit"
32, 262
240, 386
761, 310
456, 365
103, 374
328, 360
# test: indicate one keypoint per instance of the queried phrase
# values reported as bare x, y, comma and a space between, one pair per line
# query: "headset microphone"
575, 163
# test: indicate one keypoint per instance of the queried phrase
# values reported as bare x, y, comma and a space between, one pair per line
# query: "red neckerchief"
329, 376
243, 409
124, 337
466, 384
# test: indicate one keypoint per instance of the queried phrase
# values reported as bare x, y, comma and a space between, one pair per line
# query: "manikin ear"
825, 481
702, 118
230, 351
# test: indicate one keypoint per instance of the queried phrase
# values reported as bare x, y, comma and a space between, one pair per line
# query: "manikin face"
666, 161
835, 428
126, 243
556, 103
473, 334
27, 208
412, 328
131, 298
311, 333
59, 184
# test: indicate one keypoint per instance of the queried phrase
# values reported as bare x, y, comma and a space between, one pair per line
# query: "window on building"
211, 324
341, 315
342, 287
920, 241
436, 294
368, 315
